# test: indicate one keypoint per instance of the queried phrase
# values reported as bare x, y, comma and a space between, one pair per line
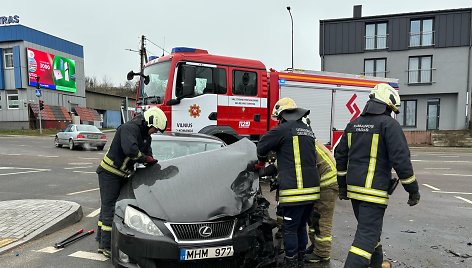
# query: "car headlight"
140, 222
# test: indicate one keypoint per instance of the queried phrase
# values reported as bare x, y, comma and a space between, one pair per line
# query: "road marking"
78, 167
52, 156
85, 191
449, 156
85, 172
460, 175
432, 187
13, 154
89, 255
24, 172
438, 161
49, 250
464, 199
90, 158
79, 164
93, 213
438, 168
443, 192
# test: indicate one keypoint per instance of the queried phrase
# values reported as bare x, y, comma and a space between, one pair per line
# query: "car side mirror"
173, 102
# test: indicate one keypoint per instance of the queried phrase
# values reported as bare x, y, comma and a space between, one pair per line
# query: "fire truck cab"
232, 97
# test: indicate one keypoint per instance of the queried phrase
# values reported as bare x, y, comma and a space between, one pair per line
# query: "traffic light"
41, 105
123, 104
38, 86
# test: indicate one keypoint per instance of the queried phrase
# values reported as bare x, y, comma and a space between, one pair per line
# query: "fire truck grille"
203, 231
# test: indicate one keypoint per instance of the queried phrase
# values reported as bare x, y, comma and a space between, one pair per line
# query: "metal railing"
376, 42
376, 74
420, 76
422, 39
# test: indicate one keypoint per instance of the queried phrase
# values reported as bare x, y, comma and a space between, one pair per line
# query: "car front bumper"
163, 251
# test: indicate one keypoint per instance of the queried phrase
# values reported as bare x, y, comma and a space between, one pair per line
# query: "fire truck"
232, 97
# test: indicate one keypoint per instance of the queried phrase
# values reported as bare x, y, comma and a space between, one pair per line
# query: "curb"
73, 215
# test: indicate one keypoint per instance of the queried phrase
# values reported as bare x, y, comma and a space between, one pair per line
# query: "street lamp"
291, 18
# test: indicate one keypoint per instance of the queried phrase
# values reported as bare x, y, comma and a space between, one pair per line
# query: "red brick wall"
419, 137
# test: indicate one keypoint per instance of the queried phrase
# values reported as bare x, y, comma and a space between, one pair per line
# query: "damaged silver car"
198, 210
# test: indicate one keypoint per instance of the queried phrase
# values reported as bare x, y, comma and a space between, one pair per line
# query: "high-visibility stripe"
99, 223
106, 228
292, 199
342, 173
108, 161
349, 137
368, 191
373, 161
323, 238
408, 180
111, 169
329, 182
138, 156
312, 190
367, 198
360, 252
298, 162
328, 175
378, 244
125, 163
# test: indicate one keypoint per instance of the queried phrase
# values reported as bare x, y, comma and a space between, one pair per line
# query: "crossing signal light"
41, 105
38, 86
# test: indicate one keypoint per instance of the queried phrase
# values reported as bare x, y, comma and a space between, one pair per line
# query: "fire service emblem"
194, 111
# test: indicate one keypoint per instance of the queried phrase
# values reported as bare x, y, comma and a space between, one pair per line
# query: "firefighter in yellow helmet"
131, 144
293, 142
371, 145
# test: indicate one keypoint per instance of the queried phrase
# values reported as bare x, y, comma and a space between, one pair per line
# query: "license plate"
92, 136
206, 253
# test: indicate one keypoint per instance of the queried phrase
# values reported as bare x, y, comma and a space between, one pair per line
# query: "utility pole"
291, 18
40, 103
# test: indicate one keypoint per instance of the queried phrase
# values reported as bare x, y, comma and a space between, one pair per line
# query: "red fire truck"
231, 97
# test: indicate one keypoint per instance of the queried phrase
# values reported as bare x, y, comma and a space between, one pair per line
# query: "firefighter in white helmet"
131, 144
371, 145
299, 183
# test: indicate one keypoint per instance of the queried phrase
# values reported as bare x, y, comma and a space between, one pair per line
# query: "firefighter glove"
149, 160
273, 184
414, 199
343, 193
270, 170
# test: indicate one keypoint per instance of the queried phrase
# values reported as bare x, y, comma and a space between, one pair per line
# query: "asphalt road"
428, 235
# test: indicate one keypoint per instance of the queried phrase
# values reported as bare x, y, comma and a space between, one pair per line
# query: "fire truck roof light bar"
188, 50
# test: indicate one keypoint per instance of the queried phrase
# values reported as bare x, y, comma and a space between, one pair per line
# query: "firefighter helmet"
282, 105
386, 94
155, 117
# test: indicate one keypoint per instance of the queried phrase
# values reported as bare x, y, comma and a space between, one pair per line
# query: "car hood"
199, 187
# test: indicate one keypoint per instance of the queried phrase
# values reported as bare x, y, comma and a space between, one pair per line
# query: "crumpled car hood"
199, 187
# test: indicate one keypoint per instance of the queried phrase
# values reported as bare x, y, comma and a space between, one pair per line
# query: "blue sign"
281, 82
38, 92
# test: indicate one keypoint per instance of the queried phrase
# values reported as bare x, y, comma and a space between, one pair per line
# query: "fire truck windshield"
158, 77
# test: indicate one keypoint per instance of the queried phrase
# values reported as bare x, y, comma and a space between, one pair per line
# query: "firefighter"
320, 227
371, 145
292, 140
131, 144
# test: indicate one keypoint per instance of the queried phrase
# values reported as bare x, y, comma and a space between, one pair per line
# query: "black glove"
149, 160
270, 170
413, 199
343, 193
273, 184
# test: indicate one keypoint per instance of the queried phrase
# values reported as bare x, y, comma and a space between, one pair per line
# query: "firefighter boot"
301, 260
377, 258
386, 264
291, 262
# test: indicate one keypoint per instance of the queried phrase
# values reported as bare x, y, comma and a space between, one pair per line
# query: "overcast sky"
256, 29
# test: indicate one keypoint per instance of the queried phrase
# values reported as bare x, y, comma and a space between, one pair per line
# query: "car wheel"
71, 145
56, 143
100, 148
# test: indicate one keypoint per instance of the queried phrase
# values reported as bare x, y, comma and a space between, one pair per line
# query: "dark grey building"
429, 52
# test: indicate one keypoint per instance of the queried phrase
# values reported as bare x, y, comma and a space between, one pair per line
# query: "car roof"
186, 136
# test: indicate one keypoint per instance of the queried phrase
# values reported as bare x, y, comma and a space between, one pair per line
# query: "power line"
157, 45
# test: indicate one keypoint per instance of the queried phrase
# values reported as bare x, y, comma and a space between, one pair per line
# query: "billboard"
55, 72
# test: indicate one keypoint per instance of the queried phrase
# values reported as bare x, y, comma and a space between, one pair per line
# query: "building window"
244, 83
375, 67
12, 101
8, 58
376, 36
421, 33
407, 115
420, 70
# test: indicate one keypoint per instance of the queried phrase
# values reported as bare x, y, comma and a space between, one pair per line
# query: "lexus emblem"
205, 231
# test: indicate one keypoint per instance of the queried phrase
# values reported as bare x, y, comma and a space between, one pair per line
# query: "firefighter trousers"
294, 230
366, 250
322, 221
110, 186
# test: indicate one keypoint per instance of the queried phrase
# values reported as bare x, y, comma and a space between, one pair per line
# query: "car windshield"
88, 128
169, 149
158, 77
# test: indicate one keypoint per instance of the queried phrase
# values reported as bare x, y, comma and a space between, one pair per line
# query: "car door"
62, 136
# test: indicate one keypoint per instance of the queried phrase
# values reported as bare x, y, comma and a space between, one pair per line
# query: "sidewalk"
23, 220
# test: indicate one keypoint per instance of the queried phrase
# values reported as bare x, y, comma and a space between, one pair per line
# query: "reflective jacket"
299, 182
371, 145
130, 145
326, 165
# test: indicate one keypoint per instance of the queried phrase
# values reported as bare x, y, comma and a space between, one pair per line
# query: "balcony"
423, 39
376, 42
420, 77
